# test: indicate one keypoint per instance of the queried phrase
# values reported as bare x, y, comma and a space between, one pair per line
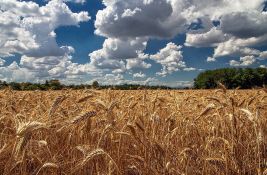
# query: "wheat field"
140, 132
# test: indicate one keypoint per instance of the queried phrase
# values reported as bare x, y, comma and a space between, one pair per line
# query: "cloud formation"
170, 58
232, 28
128, 20
139, 18
139, 75
28, 29
2, 62
244, 61
238, 32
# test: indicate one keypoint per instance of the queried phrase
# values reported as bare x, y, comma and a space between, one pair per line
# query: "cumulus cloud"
234, 46
263, 55
111, 79
14, 73
128, 20
139, 18
32, 69
250, 59
245, 24
187, 69
121, 54
130, 13
28, 29
76, 1
216, 8
103, 63
227, 49
137, 63
244, 61
208, 39
73, 1
162, 18
171, 59
116, 48
2, 62
115, 51
139, 75
244, 30
241, 26
211, 59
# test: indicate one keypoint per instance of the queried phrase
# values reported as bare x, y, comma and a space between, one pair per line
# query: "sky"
151, 42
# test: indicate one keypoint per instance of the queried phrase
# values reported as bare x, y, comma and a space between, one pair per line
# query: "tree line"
244, 78
57, 85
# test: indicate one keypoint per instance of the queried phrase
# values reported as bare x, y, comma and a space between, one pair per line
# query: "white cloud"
263, 55
28, 29
111, 79
216, 8
242, 25
162, 18
130, 13
184, 84
33, 69
245, 30
2, 62
104, 63
117, 49
234, 63
211, 59
188, 69
139, 18
73, 1
227, 49
208, 39
14, 73
119, 55
234, 46
244, 61
245, 24
123, 20
137, 63
76, 1
170, 58
139, 75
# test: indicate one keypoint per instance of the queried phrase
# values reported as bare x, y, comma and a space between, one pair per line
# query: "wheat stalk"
83, 117
56, 103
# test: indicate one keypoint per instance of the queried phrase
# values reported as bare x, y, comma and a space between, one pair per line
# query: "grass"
133, 132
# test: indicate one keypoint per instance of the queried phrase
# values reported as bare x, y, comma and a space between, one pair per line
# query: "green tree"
15, 86
95, 84
232, 78
55, 85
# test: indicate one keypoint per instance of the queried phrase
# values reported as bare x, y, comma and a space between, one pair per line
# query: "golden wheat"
159, 132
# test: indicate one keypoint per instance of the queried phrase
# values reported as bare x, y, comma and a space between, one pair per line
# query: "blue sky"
162, 42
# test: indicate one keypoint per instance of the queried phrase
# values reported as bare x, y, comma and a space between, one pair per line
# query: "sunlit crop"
133, 132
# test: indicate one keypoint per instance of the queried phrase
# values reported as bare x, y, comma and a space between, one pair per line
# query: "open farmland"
133, 132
